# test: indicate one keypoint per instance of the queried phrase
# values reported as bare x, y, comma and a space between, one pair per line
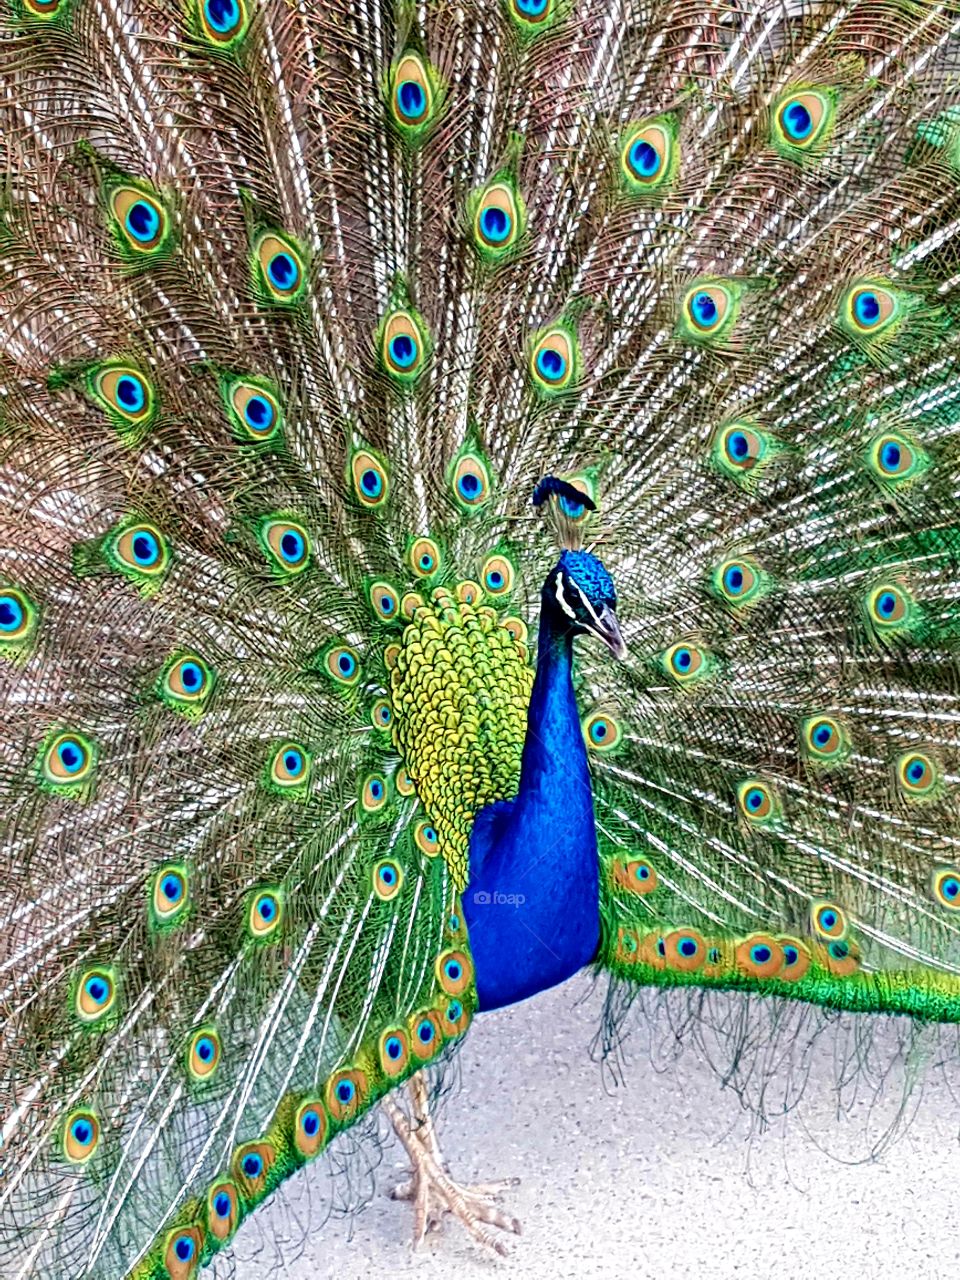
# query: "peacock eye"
498, 220
342, 663
286, 543
387, 879
203, 1053
141, 551
81, 1136
373, 793
424, 557
264, 914
96, 994
553, 360
279, 274
369, 477
310, 1127
649, 157
800, 120
403, 346
223, 20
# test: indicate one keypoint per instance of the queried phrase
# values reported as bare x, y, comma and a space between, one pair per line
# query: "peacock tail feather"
300, 303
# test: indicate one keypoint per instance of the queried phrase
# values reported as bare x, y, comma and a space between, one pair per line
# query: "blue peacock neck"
531, 903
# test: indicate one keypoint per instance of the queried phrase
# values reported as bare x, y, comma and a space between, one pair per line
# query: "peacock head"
580, 593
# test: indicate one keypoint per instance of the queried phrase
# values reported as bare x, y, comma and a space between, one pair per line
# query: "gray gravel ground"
655, 1179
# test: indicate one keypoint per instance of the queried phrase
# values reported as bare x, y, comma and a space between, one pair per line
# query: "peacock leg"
430, 1187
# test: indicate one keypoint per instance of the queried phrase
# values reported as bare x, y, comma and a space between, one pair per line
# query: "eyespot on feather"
223, 1210
251, 1166
759, 956
373, 793
264, 914
426, 1034
345, 1094
96, 994
919, 775
370, 480
796, 959
497, 575
635, 876
254, 410
424, 557
310, 1127
81, 1136
140, 219
394, 1051
170, 893
824, 740
426, 838
601, 731
827, 920
19, 616
342, 663
649, 156
553, 360
223, 22
203, 1053
945, 886
454, 970
279, 269
387, 879
684, 949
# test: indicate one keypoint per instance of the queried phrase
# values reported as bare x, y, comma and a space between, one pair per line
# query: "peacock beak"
608, 629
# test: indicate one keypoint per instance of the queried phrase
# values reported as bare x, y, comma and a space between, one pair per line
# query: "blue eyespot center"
739, 445
644, 159
411, 99
345, 1091
191, 676
687, 947
11, 614
311, 1123
890, 456
371, 482
704, 309
81, 1131
142, 221
252, 1164
797, 121
292, 762
866, 307
425, 1032
570, 508
886, 604
171, 887
916, 771
223, 15
822, 734
146, 549
429, 835
292, 546
267, 908
531, 8
222, 1205
755, 799
551, 364
388, 875
453, 970
259, 413
347, 664
495, 223
733, 579
376, 789
71, 755
403, 350
130, 392
950, 887
283, 271
469, 484
642, 871
790, 955
839, 950
205, 1049
683, 658
394, 1048
598, 731
97, 990
828, 919
760, 954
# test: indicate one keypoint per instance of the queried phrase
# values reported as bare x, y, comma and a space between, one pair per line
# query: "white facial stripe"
590, 609
562, 599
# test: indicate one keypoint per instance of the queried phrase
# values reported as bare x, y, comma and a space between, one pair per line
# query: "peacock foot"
434, 1193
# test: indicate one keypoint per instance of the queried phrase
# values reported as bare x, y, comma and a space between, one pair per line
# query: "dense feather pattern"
273, 387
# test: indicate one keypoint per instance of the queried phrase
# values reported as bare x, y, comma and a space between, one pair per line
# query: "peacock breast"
460, 686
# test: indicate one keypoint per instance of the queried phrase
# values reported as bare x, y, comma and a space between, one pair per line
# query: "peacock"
480, 492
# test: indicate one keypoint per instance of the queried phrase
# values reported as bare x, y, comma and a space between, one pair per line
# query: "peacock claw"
435, 1194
